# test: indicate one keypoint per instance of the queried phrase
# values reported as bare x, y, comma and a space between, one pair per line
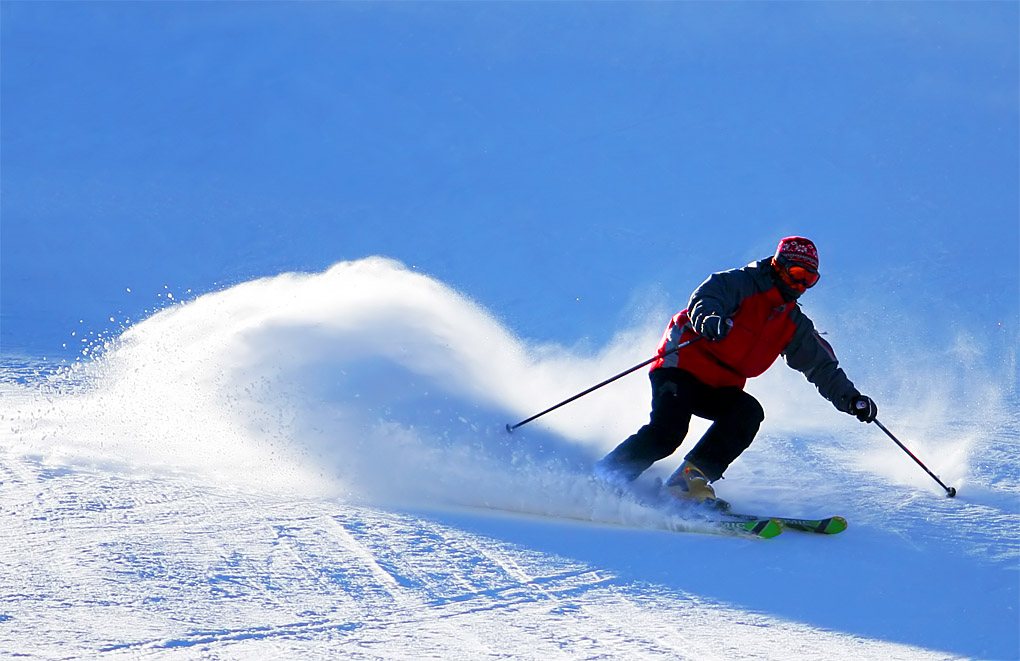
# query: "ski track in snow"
123, 565
148, 507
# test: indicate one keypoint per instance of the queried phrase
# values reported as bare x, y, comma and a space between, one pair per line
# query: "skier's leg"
665, 431
737, 417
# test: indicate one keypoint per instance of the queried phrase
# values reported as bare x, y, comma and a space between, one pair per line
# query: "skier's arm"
810, 354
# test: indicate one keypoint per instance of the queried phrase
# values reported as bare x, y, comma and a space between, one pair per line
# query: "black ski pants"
676, 396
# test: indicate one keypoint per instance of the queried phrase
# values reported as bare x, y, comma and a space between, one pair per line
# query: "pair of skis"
714, 517
768, 527
722, 517
697, 519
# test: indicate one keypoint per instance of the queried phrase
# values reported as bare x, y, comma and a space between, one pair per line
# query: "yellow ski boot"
689, 483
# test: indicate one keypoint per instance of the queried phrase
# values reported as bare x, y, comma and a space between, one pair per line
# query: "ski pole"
950, 491
510, 428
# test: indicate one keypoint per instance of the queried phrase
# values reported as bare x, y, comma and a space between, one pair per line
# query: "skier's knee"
751, 410
757, 412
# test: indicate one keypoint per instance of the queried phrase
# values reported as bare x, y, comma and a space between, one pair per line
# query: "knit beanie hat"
799, 250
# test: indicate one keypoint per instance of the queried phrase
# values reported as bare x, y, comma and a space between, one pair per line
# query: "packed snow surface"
304, 466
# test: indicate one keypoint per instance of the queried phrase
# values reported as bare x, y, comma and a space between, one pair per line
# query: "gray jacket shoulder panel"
723, 292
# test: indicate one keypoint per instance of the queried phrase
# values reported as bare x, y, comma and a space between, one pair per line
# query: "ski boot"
690, 485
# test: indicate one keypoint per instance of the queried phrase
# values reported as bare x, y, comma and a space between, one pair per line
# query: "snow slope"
289, 468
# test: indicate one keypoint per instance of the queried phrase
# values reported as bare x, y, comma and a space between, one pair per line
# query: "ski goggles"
796, 274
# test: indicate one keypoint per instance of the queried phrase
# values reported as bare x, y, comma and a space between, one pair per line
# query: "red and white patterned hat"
798, 249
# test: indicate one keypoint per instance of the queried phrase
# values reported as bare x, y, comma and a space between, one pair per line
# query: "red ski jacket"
765, 326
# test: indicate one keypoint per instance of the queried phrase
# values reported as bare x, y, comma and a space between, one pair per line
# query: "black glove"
864, 408
714, 326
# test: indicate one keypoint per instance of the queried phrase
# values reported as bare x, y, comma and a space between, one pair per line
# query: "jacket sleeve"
808, 353
721, 294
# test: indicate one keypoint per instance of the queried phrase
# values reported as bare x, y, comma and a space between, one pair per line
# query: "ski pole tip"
510, 430
951, 492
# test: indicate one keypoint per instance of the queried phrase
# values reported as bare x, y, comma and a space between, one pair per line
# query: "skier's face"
796, 276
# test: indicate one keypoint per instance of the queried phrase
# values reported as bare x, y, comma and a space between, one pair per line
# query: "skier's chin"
789, 293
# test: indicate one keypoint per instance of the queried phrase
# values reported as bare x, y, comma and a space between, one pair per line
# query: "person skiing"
744, 319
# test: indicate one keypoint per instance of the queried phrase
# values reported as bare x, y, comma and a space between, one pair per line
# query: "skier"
747, 318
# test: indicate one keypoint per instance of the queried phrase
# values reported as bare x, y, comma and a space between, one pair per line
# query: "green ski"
828, 526
754, 526
747, 526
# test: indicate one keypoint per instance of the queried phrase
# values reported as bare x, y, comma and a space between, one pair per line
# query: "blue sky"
560, 163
